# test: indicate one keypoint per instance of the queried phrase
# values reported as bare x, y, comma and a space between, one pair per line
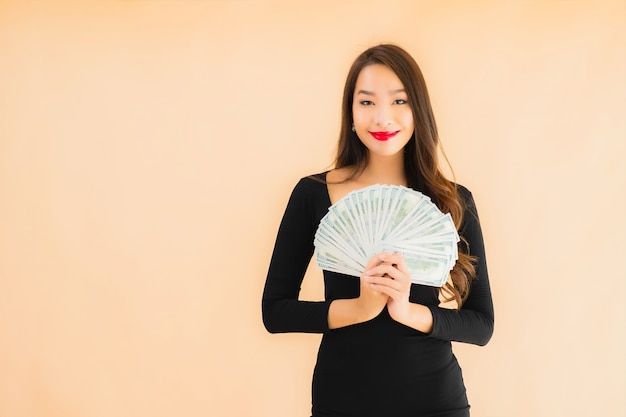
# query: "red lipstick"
383, 136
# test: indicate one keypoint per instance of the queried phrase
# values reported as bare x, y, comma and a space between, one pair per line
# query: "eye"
399, 101
366, 103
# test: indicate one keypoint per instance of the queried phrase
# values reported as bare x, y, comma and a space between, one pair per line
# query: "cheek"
357, 116
408, 119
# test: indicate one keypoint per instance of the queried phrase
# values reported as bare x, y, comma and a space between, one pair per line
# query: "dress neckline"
328, 200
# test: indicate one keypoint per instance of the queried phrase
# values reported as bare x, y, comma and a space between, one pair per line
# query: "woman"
386, 348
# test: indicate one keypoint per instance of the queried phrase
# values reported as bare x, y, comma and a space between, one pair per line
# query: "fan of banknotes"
392, 219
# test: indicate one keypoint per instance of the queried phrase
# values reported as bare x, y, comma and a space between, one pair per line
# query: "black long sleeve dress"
379, 368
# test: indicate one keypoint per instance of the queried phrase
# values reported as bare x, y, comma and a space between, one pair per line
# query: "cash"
387, 218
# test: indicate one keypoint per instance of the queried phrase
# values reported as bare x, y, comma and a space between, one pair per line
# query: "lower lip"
383, 136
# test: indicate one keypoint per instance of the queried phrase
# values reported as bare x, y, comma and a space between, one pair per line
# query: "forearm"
418, 317
346, 312
465, 325
292, 315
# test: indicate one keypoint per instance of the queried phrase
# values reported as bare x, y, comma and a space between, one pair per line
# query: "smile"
383, 136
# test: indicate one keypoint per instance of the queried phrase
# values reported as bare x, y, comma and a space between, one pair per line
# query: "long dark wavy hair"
421, 164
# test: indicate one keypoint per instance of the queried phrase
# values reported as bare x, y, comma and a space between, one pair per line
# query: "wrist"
366, 311
422, 317
345, 312
418, 317
348, 311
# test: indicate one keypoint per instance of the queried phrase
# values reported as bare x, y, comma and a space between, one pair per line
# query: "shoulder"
465, 195
340, 175
312, 187
470, 212
463, 191
309, 199
313, 182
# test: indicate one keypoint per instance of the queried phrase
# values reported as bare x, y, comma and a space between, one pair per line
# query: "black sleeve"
282, 311
473, 323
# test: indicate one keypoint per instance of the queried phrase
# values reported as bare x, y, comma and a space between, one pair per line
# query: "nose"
383, 116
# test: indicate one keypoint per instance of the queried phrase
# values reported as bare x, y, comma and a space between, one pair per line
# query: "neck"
385, 170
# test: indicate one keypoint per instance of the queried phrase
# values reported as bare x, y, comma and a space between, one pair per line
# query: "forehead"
378, 78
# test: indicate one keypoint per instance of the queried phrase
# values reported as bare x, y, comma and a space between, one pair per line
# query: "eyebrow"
370, 93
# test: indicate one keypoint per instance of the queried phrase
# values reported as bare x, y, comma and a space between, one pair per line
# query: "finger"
384, 290
375, 260
386, 269
377, 282
402, 265
389, 290
398, 261
384, 257
392, 258
395, 289
377, 264
365, 285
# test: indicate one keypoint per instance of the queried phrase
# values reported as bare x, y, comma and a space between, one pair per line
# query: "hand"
368, 305
391, 277
370, 301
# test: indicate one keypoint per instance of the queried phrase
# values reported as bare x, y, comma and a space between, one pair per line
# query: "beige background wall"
147, 150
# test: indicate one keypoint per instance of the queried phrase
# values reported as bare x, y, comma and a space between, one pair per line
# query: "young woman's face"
382, 116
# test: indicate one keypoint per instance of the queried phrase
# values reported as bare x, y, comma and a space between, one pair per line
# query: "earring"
353, 128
